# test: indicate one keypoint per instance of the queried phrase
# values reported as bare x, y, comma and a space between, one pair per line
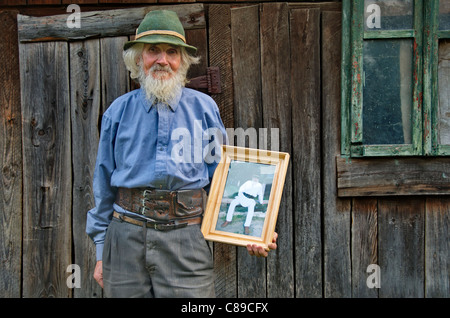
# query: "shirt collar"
148, 103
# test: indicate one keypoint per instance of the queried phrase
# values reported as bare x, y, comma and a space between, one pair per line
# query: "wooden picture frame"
230, 215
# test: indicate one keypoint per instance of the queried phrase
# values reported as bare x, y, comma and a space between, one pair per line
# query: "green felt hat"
161, 26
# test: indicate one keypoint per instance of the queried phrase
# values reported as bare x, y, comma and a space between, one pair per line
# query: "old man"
149, 192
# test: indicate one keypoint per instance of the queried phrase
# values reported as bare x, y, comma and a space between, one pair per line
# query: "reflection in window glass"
388, 14
387, 91
444, 14
444, 92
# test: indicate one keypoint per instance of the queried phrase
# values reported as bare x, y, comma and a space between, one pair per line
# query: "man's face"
164, 58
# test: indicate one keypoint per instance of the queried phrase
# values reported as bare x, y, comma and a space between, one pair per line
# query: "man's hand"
98, 273
256, 250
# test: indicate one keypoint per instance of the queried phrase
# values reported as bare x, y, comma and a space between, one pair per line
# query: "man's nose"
162, 59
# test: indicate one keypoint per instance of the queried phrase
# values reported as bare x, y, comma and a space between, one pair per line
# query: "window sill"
393, 176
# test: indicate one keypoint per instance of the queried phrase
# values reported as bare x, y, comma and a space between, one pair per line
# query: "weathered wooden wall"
280, 68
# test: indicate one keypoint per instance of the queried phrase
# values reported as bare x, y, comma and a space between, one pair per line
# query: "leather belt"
162, 205
156, 225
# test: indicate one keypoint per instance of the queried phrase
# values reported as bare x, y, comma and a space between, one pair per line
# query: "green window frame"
420, 99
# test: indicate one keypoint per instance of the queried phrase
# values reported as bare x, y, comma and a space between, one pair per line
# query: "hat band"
160, 32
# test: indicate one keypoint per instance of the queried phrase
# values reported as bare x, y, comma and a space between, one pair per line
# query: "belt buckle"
143, 200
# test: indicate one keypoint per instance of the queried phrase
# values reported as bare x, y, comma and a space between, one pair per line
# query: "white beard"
164, 90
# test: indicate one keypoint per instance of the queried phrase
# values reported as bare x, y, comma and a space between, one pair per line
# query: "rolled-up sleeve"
100, 216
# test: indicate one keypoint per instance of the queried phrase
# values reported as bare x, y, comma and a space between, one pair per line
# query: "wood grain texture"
364, 243
391, 176
10, 159
47, 174
276, 102
306, 123
336, 220
115, 80
102, 23
401, 247
220, 55
437, 247
85, 112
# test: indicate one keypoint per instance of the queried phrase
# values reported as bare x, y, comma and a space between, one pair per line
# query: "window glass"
444, 14
387, 91
444, 92
388, 14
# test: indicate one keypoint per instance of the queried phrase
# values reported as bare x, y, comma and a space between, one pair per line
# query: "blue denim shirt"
143, 143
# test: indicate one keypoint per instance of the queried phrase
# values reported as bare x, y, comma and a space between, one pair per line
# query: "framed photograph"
245, 196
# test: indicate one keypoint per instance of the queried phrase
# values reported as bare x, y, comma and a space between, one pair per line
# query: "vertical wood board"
85, 109
401, 247
336, 220
437, 247
114, 75
246, 55
220, 55
10, 160
306, 144
47, 168
276, 103
364, 245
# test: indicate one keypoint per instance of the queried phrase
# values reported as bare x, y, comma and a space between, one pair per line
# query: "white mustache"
159, 68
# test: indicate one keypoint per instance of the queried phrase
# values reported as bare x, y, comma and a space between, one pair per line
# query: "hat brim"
156, 39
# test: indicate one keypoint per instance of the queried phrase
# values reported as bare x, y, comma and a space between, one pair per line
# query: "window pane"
444, 92
388, 15
444, 14
387, 91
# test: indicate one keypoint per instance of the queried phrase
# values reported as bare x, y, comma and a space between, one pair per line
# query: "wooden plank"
246, 68
47, 174
79, 2
43, 2
364, 245
85, 107
13, 2
10, 159
345, 114
437, 247
401, 247
356, 72
247, 114
391, 176
306, 163
124, 1
275, 77
102, 23
198, 38
322, 6
336, 211
220, 55
115, 80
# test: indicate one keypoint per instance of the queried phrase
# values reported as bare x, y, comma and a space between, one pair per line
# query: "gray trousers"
144, 262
